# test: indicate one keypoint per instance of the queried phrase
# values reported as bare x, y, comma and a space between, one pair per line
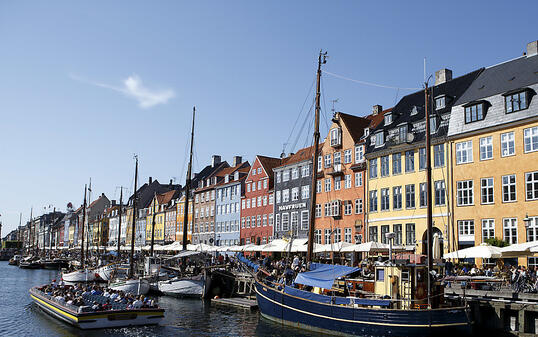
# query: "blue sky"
84, 86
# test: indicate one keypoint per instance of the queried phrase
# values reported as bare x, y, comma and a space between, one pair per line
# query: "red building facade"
257, 204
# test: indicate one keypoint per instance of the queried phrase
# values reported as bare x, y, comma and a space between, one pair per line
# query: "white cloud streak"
134, 88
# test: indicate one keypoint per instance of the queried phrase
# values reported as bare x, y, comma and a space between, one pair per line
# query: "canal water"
19, 316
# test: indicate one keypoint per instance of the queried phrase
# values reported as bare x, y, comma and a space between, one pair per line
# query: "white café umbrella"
484, 251
335, 247
366, 247
436, 247
279, 245
299, 246
520, 249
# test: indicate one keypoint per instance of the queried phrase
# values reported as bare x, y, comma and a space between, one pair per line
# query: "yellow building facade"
180, 211
159, 221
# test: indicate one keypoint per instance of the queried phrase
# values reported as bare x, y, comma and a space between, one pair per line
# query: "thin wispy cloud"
134, 88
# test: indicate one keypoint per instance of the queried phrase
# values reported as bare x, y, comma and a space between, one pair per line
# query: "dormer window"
402, 134
474, 112
388, 118
214, 180
236, 175
440, 102
227, 178
336, 137
433, 124
516, 101
366, 132
414, 111
379, 139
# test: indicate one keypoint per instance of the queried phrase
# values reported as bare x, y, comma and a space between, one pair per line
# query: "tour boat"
83, 275
183, 286
84, 317
14, 261
133, 286
30, 263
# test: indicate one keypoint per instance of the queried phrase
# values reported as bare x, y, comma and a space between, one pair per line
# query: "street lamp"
527, 220
390, 236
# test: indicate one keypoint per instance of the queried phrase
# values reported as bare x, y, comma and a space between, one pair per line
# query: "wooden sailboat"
132, 284
394, 312
83, 274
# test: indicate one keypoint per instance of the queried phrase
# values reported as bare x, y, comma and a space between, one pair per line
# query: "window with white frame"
277, 223
373, 168
379, 139
254, 202
336, 136
242, 222
358, 179
259, 185
409, 233
285, 222
347, 181
327, 184
317, 236
278, 177
285, 195
488, 229
337, 158
259, 201
464, 152
465, 192
318, 186
248, 222
264, 200
474, 113
508, 144
359, 154
348, 207
531, 185
486, 148
295, 222
397, 230
530, 138
373, 201
348, 235
277, 197
320, 160
335, 208
385, 196
327, 236
337, 235
409, 161
270, 199
248, 187
440, 102
397, 163
439, 155
327, 208
259, 170
397, 197
318, 211
372, 234
384, 166
486, 190
305, 170
532, 229
402, 133
328, 160
253, 186
265, 183
509, 188
295, 194
347, 156
510, 230
410, 196
295, 173
304, 220
258, 220
271, 220
440, 193
286, 175
466, 230
358, 206
305, 192
337, 183
422, 158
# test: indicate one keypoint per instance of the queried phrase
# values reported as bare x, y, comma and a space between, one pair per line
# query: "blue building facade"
228, 204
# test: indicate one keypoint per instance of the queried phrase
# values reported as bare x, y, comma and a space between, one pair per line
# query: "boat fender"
216, 297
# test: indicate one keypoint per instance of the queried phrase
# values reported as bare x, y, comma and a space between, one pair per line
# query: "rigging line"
307, 118
301, 111
368, 83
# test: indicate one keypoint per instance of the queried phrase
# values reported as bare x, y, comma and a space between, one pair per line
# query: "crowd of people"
81, 296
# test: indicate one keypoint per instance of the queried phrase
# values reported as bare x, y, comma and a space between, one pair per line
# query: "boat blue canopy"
246, 261
323, 275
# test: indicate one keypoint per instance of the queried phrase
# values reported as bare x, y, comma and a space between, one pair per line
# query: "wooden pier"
504, 311
245, 303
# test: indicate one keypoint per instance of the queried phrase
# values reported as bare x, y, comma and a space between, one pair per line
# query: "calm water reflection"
19, 316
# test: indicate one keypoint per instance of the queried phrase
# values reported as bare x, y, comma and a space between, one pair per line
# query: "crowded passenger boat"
94, 307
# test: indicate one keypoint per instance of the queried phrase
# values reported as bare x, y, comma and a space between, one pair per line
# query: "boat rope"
368, 83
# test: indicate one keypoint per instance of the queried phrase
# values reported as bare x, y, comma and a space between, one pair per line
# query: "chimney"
442, 76
150, 180
237, 160
215, 160
532, 48
171, 182
376, 110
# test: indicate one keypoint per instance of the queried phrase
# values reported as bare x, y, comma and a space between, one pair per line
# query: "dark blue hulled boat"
358, 316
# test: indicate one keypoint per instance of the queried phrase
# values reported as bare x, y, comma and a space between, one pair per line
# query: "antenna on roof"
333, 110
283, 154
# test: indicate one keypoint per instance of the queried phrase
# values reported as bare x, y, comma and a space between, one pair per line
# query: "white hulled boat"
132, 286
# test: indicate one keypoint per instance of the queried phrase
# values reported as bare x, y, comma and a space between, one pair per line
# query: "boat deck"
238, 302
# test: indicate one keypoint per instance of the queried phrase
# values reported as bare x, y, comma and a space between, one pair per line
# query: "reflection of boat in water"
85, 318
83, 275
183, 286
54, 263
133, 286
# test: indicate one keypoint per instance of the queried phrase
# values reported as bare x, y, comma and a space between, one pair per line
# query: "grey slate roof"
503, 77
490, 86
403, 112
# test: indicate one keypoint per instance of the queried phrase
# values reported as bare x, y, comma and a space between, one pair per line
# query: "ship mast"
153, 225
119, 223
82, 234
131, 266
429, 242
188, 186
321, 60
